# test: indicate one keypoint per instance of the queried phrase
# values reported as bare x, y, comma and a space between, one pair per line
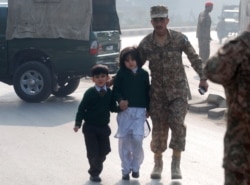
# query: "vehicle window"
47, 1
3, 18
105, 16
231, 15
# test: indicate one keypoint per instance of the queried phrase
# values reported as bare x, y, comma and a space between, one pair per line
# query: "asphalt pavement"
38, 146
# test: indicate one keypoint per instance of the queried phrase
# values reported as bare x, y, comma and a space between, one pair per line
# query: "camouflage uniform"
203, 35
168, 94
230, 66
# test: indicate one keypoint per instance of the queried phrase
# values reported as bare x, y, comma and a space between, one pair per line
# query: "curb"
214, 106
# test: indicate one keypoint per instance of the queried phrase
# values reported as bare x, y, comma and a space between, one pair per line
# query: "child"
131, 91
95, 109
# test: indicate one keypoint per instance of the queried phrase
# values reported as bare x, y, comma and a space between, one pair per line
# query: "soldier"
168, 95
203, 31
230, 67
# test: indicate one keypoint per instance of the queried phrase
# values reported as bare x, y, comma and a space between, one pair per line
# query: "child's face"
130, 63
100, 80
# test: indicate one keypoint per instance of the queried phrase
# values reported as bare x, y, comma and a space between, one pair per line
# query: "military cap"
158, 11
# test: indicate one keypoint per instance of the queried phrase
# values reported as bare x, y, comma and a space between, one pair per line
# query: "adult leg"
233, 178
200, 48
204, 49
159, 130
158, 143
177, 113
206, 45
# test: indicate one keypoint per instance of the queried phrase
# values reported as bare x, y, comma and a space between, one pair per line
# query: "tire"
67, 87
33, 82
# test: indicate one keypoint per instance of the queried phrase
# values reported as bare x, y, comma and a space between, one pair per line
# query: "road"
38, 145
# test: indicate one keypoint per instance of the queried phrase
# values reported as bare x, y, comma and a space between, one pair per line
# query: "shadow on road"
137, 182
52, 112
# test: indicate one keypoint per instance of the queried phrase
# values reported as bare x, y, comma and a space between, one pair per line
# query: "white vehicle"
228, 24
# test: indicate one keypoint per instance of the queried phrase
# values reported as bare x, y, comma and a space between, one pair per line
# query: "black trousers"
97, 145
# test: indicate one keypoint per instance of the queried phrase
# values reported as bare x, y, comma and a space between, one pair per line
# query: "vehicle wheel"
32, 82
67, 87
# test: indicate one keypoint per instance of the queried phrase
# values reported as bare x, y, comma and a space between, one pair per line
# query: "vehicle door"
3, 43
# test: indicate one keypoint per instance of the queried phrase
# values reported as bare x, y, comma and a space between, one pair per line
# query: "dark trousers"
97, 145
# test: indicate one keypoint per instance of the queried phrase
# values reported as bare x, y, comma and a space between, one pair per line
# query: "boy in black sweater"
95, 109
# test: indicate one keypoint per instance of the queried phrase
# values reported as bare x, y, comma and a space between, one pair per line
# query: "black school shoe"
125, 177
135, 174
95, 179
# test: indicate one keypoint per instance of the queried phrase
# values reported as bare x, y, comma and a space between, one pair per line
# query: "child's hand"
123, 104
76, 129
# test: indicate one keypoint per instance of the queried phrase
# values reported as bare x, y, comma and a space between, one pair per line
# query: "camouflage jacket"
230, 66
204, 25
165, 62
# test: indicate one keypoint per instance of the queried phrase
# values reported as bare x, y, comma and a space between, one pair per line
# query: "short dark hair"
130, 51
99, 69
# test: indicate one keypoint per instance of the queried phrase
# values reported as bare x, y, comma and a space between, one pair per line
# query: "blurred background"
135, 13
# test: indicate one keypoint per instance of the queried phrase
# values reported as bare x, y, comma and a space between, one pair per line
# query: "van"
46, 47
228, 24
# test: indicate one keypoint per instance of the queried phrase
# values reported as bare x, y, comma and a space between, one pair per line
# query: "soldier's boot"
156, 173
175, 168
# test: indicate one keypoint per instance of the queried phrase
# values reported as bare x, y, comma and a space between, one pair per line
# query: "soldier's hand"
203, 85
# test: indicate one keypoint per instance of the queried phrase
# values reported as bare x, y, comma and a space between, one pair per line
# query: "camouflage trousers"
235, 178
204, 48
167, 114
236, 161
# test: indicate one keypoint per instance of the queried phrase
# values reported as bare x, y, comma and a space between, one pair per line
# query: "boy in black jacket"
95, 109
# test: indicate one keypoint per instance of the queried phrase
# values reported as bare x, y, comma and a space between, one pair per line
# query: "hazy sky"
188, 9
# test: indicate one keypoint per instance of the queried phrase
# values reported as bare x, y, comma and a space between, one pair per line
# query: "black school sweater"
94, 108
133, 87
